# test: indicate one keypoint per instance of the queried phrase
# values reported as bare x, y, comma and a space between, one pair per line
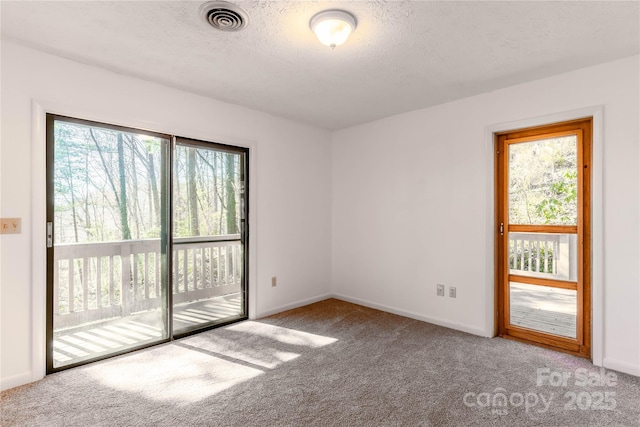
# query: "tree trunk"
215, 183
126, 232
137, 214
107, 171
73, 198
87, 214
192, 193
232, 226
154, 189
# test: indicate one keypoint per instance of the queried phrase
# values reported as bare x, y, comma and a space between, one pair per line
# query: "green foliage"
557, 208
543, 182
108, 184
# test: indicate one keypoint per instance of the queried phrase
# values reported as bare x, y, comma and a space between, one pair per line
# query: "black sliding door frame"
244, 230
166, 234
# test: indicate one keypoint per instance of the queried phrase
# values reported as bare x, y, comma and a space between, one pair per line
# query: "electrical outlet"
452, 291
274, 281
10, 226
440, 290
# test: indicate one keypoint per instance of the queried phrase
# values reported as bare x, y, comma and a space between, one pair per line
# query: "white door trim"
597, 242
39, 110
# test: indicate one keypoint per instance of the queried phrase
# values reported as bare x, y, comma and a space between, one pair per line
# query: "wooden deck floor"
551, 311
544, 309
88, 342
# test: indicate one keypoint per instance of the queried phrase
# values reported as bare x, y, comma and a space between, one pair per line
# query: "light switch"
10, 226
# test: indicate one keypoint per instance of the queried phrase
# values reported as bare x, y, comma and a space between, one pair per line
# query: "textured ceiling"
404, 55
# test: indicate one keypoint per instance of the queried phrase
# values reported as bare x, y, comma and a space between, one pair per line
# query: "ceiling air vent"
224, 16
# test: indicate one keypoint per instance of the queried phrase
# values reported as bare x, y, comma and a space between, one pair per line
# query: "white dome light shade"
332, 27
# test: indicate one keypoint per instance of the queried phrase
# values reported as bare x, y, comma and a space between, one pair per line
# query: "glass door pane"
543, 182
542, 231
551, 256
208, 235
108, 257
543, 308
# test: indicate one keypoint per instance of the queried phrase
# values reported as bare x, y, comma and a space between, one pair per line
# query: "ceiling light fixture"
332, 27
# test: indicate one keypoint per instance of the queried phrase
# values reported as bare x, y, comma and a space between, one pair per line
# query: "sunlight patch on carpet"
258, 353
284, 335
172, 374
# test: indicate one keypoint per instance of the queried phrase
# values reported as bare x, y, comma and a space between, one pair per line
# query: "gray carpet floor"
331, 364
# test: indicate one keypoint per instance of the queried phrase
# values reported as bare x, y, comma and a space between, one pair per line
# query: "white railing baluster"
203, 285
183, 272
84, 279
234, 258
111, 280
551, 254
136, 276
549, 250
211, 283
125, 290
185, 276
72, 284
236, 264
178, 275
521, 255
226, 265
176, 267
146, 275
194, 268
238, 255
215, 268
219, 266
56, 278
514, 253
158, 265
98, 282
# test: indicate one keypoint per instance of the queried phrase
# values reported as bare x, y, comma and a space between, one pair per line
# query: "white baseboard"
292, 305
440, 322
16, 380
618, 365
614, 364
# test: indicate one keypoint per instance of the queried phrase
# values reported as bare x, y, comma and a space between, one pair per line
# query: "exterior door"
146, 237
209, 228
543, 236
107, 240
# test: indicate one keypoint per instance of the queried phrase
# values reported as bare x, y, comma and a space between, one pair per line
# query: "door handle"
49, 234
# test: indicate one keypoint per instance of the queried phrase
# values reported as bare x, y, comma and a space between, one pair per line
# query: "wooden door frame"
581, 346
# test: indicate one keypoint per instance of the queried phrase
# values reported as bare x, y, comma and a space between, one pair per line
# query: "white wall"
412, 199
290, 186
407, 194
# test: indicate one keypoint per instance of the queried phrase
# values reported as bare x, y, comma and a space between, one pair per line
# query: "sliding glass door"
133, 214
208, 234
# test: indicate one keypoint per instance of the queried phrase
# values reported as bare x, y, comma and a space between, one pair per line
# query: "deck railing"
543, 255
98, 281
